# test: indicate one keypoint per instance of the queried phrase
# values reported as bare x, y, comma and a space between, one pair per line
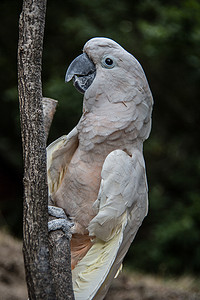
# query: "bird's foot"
57, 212
62, 222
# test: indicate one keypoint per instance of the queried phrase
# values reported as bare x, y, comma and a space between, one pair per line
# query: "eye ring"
108, 62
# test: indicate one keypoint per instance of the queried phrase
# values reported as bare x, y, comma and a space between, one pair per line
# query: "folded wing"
59, 155
121, 206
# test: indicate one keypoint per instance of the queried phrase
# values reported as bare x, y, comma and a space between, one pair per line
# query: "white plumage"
97, 172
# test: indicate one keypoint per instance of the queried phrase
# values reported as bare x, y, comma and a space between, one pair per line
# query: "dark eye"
108, 62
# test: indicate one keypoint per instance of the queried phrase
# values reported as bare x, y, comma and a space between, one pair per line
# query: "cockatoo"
96, 173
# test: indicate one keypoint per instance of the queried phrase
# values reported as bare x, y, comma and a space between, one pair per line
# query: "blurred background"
165, 37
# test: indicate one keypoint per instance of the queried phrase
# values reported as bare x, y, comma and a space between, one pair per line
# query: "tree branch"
45, 280
49, 108
60, 254
35, 219
61, 264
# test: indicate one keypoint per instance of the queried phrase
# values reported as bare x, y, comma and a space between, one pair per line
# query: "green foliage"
170, 41
164, 37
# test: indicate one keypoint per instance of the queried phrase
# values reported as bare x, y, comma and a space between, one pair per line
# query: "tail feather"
80, 245
91, 271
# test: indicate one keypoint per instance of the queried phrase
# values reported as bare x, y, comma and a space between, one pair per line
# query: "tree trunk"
60, 258
45, 279
60, 254
35, 220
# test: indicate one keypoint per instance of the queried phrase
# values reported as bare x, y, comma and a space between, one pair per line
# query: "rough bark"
35, 219
61, 264
44, 280
49, 108
60, 254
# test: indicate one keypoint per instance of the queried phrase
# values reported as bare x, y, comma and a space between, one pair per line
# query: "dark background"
165, 37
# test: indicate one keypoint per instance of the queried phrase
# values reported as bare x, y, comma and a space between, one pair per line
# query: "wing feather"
121, 206
59, 155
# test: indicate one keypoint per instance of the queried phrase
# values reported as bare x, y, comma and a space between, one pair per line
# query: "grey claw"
63, 224
57, 212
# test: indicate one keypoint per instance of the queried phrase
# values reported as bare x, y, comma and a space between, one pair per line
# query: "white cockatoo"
96, 173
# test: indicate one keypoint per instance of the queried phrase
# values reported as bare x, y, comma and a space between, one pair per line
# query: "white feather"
114, 220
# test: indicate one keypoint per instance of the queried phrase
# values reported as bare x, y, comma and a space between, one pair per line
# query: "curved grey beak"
82, 70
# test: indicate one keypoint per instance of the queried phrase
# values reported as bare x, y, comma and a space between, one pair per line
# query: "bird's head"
107, 74
100, 56
105, 67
